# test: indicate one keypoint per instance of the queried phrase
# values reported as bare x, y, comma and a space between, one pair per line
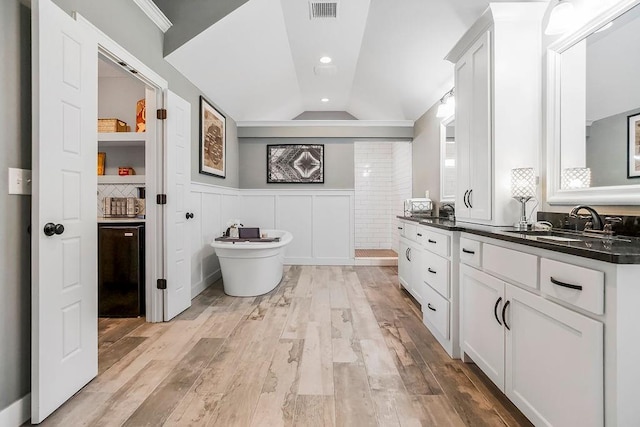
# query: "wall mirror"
593, 106
448, 161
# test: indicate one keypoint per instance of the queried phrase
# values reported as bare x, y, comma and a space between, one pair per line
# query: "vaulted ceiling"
260, 59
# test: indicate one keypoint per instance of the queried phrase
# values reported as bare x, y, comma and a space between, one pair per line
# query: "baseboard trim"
17, 413
319, 261
204, 284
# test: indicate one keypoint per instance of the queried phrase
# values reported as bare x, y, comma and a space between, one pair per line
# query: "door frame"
154, 250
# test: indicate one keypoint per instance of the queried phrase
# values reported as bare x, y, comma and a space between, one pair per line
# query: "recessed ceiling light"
325, 60
325, 100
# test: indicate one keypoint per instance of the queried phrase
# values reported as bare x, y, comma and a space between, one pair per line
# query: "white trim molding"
17, 413
155, 14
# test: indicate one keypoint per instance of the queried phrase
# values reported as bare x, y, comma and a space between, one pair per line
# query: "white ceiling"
258, 62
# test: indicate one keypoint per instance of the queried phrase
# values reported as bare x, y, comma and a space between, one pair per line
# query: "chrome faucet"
594, 224
448, 207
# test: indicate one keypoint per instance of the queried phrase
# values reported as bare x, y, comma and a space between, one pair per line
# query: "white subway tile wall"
382, 182
114, 190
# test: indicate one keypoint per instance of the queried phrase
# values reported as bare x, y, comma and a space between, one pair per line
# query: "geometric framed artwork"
213, 140
633, 146
295, 164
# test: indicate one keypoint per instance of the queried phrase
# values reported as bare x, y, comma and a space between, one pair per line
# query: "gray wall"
125, 23
15, 212
338, 162
426, 155
607, 151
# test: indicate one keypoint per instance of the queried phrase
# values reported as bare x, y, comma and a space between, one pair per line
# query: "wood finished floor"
329, 346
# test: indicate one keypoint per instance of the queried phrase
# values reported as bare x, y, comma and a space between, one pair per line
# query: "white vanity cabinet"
498, 108
553, 331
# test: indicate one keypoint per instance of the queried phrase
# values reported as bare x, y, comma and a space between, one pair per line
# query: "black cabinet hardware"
399, 228
467, 251
431, 271
189, 215
469, 199
566, 285
504, 310
495, 311
464, 198
430, 308
432, 241
419, 234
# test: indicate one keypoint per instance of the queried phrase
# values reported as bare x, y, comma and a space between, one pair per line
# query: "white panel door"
482, 330
177, 296
554, 362
64, 236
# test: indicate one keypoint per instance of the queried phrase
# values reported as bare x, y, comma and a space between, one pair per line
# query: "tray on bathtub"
232, 240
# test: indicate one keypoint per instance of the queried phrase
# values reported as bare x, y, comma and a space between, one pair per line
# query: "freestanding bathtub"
252, 268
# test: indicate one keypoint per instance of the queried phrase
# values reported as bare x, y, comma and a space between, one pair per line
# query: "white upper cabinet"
498, 108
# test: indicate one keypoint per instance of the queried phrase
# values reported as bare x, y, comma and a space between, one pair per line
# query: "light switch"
19, 181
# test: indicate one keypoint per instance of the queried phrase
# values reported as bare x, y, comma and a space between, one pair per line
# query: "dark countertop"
618, 250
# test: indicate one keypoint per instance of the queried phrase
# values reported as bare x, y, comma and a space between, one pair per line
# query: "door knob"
189, 215
50, 229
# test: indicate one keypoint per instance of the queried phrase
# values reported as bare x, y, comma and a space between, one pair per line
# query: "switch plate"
19, 181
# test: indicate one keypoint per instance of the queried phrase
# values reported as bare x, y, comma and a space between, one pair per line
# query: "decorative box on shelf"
112, 125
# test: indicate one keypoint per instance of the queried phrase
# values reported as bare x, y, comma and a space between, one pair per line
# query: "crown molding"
155, 14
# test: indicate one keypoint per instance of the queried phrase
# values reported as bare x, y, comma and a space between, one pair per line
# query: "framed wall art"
295, 164
633, 148
212, 140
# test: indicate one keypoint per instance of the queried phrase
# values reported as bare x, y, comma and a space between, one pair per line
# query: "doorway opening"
382, 182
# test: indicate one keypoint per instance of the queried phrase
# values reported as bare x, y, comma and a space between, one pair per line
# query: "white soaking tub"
252, 268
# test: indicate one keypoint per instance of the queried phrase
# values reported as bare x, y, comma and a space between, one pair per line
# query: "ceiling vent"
323, 9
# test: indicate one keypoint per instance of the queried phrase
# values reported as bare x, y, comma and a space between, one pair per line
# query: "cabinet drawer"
435, 310
435, 272
510, 264
470, 252
578, 286
434, 242
408, 230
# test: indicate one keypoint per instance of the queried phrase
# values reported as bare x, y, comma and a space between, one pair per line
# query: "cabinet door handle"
432, 241
431, 271
431, 308
464, 198
467, 251
469, 199
504, 311
419, 234
399, 228
566, 285
495, 311
406, 254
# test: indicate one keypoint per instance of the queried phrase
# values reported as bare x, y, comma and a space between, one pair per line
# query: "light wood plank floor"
329, 346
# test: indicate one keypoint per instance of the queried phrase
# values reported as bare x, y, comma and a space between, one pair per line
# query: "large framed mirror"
593, 111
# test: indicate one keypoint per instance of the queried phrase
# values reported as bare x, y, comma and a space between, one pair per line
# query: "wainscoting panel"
295, 214
333, 233
321, 222
212, 207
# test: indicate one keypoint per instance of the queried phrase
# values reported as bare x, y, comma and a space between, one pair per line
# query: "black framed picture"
212, 140
295, 164
633, 146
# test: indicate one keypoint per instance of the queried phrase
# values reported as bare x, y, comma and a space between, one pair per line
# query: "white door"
177, 296
64, 227
554, 362
482, 299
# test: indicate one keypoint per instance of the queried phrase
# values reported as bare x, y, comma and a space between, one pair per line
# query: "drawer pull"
399, 228
495, 311
467, 251
430, 308
566, 285
431, 271
419, 235
432, 241
504, 311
